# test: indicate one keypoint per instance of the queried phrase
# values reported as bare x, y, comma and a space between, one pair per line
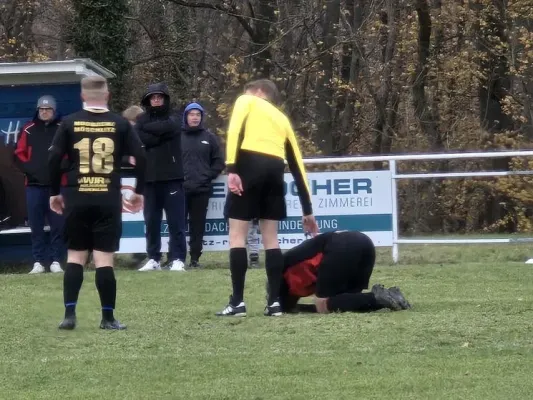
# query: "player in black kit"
335, 267
95, 140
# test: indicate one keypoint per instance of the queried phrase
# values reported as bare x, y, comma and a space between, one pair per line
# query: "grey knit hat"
47, 102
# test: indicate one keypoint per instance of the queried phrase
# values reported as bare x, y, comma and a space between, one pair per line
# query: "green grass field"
468, 336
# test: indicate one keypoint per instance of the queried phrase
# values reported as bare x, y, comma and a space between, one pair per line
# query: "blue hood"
192, 106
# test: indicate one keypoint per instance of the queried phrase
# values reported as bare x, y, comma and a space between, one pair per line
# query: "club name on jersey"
94, 127
93, 184
93, 180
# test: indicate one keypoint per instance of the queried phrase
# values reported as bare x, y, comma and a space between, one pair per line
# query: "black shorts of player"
93, 227
347, 266
263, 194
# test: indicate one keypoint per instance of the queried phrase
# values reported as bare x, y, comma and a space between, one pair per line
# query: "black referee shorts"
263, 194
91, 227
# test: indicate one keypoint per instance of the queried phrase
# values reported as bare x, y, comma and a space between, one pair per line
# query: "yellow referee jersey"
257, 125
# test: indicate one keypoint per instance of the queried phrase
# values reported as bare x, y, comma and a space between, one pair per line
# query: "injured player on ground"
336, 268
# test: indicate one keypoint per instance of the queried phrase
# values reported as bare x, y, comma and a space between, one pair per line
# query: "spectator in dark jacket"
202, 161
31, 156
161, 135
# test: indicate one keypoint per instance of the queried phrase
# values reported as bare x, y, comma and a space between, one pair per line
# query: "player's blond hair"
132, 112
94, 87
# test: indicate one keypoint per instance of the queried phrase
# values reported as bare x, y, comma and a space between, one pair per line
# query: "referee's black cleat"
385, 298
273, 310
399, 297
233, 311
112, 325
68, 324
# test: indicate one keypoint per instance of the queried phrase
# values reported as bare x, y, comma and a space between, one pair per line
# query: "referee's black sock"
274, 270
107, 289
238, 264
72, 281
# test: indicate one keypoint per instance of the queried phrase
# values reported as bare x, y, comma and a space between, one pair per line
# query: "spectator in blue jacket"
202, 162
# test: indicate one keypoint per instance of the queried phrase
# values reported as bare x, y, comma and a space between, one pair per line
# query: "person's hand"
321, 304
235, 184
57, 204
131, 160
310, 225
134, 203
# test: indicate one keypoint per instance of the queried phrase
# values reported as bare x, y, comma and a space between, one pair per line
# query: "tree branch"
166, 54
222, 8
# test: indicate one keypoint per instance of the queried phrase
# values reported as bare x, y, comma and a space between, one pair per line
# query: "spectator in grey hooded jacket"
202, 162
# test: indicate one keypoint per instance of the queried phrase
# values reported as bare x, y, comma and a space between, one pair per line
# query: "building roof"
68, 71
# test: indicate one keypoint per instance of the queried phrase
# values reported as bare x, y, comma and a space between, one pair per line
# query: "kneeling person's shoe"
385, 298
399, 297
69, 323
112, 325
273, 310
233, 311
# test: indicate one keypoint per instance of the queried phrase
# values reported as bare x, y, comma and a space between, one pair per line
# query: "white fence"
394, 159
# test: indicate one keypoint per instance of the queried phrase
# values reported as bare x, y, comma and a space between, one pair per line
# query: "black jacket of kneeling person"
335, 266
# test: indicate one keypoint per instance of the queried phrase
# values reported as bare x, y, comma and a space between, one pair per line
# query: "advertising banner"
353, 200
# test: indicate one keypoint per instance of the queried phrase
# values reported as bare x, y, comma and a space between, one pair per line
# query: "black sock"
72, 281
354, 302
107, 289
238, 264
274, 270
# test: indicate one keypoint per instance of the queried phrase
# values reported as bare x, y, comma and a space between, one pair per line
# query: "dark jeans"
197, 211
38, 203
168, 196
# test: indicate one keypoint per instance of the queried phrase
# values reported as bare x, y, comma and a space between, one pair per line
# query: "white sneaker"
178, 265
151, 265
55, 268
37, 268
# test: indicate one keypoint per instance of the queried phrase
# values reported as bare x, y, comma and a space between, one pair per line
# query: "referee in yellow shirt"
259, 138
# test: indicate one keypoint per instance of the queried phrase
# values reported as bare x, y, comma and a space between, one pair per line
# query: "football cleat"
399, 297
69, 323
273, 310
112, 325
385, 298
233, 311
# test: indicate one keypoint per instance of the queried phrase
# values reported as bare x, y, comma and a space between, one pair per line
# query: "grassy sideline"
469, 336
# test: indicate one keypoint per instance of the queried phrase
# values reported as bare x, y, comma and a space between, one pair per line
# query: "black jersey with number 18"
95, 142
